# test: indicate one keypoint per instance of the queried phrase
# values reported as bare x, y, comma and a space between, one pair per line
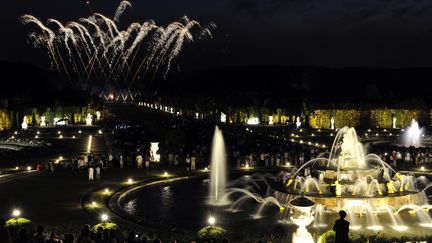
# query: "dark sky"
333, 33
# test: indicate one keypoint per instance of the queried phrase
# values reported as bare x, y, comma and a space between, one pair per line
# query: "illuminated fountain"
218, 173
373, 194
412, 135
302, 216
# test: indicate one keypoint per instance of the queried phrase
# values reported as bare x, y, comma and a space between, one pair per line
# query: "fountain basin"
355, 203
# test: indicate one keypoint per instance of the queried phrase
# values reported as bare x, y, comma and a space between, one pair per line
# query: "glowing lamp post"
302, 216
104, 218
211, 220
16, 213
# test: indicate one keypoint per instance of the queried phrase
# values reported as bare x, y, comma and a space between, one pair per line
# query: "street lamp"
211, 220
104, 217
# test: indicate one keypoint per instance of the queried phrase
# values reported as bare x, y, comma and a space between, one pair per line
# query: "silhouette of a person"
341, 228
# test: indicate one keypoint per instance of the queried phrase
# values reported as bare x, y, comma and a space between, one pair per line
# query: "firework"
94, 50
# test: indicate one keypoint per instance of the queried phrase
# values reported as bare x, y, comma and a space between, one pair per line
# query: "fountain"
413, 134
302, 216
218, 173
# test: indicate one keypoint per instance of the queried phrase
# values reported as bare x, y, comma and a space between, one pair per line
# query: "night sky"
332, 33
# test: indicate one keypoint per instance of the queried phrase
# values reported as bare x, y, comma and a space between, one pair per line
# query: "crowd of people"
187, 143
87, 234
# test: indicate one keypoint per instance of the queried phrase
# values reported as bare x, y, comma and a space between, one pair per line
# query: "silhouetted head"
40, 229
342, 214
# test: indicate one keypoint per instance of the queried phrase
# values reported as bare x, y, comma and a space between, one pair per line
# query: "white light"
313, 135
375, 227
331, 134
58, 132
165, 174
89, 143
104, 217
129, 180
253, 121
107, 191
60, 157
223, 117
79, 131
377, 134
100, 131
94, 203
355, 227
154, 155
61, 136
323, 146
247, 166
391, 134
271, 122
16, 213
73, 136
422, 168
288, 164
15, 132
400, 227
369, 130
211, 220
206, 169
385, 130
17, 168
37, 132
301, 141
29, 167
309, 143
36, 136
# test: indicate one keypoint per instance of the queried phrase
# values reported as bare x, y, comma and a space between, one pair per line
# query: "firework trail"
99, 54
120, 9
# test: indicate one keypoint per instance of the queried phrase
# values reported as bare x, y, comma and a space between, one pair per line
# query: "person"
121, 161
4, 232
90, 173
23, 236
98, 171
193, 161
85, 235
39, 236
341, 228
139, 160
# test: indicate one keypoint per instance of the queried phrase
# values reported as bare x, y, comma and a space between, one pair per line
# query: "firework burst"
95, 51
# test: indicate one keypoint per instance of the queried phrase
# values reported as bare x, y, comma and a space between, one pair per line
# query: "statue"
394, 122
43, 122
298, 122
89, 119
24, 125
332, 121
98, 115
